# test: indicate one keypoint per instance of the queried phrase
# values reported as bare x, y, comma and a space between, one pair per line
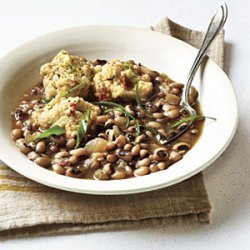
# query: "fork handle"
216, 24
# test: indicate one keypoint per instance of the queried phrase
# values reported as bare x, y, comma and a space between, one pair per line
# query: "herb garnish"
76, 87
55, 130
190, 118
120, 108
139, 102
83, 127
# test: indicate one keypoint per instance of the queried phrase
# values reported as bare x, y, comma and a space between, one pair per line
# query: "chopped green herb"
139, 102
55, 130
46, 100
190, 118
76, 87
83, 127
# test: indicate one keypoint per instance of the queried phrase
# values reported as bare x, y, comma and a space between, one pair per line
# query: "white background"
228, 179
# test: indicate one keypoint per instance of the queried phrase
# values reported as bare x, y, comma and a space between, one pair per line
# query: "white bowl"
20, 69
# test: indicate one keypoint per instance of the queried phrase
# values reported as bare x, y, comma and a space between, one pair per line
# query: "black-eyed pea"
129, 171
121, 122
128, 147
100, 175
62, 154
124, 155
57, 168
158, 115
42, 161
120, 141
32, 155
73, 159
194, 131
153, 124
40, 147
181, 146
79, 152
107, 169
112, 158
143, 162
71, 143
118, 175
143, 153
17, 133
23, 146
173, 99
176, 85
162, 165
141, 171
153, 167
172, 114
110, 146
174, 156
160, 154
71, 172
193, 92
135, 150
102, 118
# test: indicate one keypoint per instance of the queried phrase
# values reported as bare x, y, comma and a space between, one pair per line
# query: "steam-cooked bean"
135, 150
175, 91
102, 118
124, 155
110, 146
17, 133
73, 159
146, 78
112, 158
160, 154
58, 169
140, 138
193, 92
173, 99
181, 146
32, 155
19, 124
143, 162
120, 141
62, 154
129, 171
172, 114
190, 99
100, 175
141, 171
153, 167
107, 169
121, 121
194, 131
175, 156
141, 114
176, 85
153, 124
127, 147
143, 153
129, 109
118, 175
60, 141
42, 161
79, 152
23, 146
40, 147
71, 143
158, 115
53, 148
144, 145
71, 172
161, 165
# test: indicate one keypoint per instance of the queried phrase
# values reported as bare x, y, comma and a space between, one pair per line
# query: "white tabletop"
228, 179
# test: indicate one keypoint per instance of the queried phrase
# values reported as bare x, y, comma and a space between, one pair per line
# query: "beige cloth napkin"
28, 208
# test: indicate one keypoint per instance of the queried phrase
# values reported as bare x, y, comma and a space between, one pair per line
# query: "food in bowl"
103, 120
